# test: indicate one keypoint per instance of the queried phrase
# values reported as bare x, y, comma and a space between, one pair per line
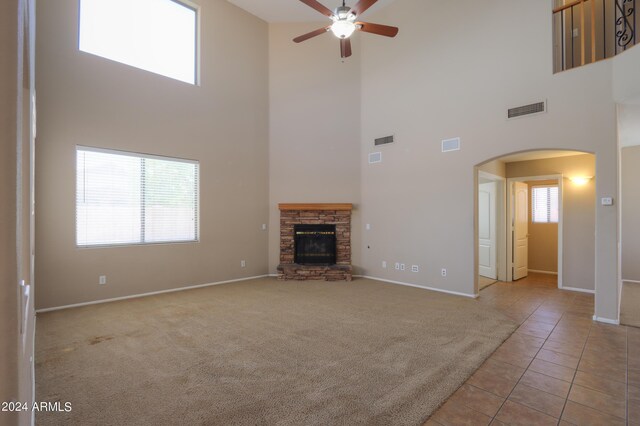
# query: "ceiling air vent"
384, 141
451, 145
375, 157
537, 108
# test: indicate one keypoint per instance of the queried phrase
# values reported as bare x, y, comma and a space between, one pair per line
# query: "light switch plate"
607, 201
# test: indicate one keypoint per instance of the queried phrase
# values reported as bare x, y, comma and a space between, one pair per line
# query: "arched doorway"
535, 214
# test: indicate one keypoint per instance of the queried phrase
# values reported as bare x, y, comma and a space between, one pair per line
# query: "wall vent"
449, 145
384, 141
375, 157
536, 108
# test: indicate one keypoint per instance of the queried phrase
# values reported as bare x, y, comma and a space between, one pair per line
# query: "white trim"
153, 293
630, 281
439, 290
272, 275
559, 177
543, 272
580, 290
606, 320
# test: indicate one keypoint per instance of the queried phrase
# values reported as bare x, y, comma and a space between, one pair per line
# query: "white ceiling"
294, 10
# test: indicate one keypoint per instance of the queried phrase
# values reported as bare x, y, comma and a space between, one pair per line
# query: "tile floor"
558, 368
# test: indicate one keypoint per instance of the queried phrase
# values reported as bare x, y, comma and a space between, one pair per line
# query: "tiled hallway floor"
558, 368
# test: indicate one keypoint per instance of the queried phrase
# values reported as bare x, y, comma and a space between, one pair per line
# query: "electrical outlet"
384, 264
243, 263
403, 266
368, 226
576, 32
397, 266
264, 226
102, 279
415, 268
443, 272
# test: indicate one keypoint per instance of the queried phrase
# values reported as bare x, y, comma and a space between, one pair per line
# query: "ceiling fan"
344, 24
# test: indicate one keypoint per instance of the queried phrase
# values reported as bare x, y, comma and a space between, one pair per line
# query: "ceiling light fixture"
343, 22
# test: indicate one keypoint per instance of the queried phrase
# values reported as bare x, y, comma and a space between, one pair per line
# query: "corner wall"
314, 127
223, 123
9, 46
16, 312
630, 191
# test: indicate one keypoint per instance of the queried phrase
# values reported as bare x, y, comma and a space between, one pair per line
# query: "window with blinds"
544, 204
127, 198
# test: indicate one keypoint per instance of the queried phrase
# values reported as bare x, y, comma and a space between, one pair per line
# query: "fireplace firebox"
315, 244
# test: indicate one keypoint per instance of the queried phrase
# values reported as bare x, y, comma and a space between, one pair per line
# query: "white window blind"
127, 198
154, 35
544, 204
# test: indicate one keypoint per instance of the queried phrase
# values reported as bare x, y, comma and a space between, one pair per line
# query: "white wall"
626, 85
315, 127
223, 123
453, 70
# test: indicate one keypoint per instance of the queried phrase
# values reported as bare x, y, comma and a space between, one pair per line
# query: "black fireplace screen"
315, 244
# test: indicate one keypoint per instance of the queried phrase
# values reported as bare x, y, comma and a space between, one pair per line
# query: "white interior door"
487, 235
520, 230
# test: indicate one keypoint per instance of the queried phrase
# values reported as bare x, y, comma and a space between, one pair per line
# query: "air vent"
537, 108
384, 141
375, 157
451, 145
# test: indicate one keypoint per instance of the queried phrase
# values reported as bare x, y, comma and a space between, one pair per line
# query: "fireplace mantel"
316, 207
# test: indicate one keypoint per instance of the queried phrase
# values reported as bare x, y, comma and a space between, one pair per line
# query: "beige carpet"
630, 304
264, 352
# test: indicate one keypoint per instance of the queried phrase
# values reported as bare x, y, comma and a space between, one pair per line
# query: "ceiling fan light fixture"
343, 28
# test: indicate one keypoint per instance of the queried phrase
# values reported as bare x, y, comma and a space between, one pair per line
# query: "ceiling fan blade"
311, 34
383, 30
345, 47
317, 6
362, 5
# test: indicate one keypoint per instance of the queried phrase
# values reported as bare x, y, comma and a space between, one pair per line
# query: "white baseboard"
542, 272
631, 281
580, 290
439, 290
153, 293
606, 320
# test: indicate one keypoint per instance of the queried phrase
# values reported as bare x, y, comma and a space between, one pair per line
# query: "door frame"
509, 224
501, 223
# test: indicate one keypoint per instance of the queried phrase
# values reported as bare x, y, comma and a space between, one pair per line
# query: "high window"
544, 204
155, 35
126, 198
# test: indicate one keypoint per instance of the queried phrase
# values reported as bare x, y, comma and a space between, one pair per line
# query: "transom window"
127, 198
155, 35
544, 204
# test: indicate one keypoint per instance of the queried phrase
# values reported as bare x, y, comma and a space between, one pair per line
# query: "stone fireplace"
315, 242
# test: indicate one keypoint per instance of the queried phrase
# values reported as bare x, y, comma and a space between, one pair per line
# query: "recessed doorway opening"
535, 214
